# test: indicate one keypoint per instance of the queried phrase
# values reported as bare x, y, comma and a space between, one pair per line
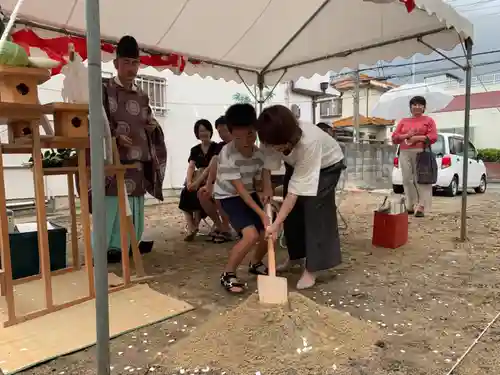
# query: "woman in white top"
314, 162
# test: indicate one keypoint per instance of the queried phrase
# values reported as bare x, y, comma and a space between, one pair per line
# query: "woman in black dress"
314, 163
197, 172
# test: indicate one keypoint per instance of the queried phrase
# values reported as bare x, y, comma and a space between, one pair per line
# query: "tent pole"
260, 97
97, 180
465, 173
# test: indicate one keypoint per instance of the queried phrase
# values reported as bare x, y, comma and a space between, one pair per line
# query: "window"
456, 146
330, 108
438, 147
472, 151
156, 89
460, 131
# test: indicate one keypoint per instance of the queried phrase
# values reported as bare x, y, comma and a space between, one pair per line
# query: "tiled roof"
480, 100
347, 81
363, 121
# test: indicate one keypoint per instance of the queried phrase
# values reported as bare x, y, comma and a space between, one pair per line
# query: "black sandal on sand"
221, 237
191, 235
230, 282
258, 269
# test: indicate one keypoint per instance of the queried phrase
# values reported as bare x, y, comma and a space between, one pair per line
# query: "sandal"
419, 213
221, 237
230, 282
258, 269
190, 237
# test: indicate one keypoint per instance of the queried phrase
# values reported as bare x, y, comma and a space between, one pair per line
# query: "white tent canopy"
277, 38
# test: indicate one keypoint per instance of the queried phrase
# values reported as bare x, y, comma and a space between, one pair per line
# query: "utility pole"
355, 117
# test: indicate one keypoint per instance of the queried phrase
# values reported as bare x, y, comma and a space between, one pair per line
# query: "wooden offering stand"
21, 111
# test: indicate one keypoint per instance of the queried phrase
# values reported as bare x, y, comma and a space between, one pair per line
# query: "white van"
449, 151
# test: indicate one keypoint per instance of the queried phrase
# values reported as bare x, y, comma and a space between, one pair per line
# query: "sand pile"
302, 337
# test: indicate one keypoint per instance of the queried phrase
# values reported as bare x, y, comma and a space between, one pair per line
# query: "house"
371, 129
340, 109
485, 109
178, 101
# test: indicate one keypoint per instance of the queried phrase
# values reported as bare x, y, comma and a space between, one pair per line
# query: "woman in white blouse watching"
314, 163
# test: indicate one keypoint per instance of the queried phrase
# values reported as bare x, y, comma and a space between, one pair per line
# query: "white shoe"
306, 281
289, 264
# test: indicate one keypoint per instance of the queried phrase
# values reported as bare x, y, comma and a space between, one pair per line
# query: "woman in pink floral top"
413, 134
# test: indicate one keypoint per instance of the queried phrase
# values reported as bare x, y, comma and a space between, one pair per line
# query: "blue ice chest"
24, 249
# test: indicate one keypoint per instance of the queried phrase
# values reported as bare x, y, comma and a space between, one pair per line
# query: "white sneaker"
289, 264
306, 281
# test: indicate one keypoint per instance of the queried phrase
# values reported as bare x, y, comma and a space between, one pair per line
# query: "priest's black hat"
127, 47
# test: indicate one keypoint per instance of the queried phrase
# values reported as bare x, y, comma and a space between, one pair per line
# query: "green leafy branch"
247, 99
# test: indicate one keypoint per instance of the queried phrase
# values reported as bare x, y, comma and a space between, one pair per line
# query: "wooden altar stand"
21, 111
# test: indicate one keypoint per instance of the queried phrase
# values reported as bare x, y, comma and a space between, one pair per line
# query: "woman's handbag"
427, 168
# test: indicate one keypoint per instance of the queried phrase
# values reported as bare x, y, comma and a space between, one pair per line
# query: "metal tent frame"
92, 11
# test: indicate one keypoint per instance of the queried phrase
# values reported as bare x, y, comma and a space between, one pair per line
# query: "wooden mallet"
272, 289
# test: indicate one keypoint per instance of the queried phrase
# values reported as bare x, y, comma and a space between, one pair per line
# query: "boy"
222, 231
240, 163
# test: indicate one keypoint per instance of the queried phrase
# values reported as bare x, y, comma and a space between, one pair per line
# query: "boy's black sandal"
221, 237
229, 281
258, 269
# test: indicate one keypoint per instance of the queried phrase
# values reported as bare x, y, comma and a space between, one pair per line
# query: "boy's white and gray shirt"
232, 165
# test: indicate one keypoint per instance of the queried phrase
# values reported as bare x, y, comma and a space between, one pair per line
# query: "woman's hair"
241, 115
206, 124
277, 125
418, 100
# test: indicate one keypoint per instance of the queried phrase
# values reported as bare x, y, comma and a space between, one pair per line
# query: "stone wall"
369, 166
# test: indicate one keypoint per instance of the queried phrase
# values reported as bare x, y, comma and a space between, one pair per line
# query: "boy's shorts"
240, 215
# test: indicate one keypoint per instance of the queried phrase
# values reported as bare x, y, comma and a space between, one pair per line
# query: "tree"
245, 98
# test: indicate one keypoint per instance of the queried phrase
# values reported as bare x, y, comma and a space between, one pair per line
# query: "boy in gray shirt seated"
240, 164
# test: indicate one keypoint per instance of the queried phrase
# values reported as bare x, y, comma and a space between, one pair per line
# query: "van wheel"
481, 189
398, 189
452, 189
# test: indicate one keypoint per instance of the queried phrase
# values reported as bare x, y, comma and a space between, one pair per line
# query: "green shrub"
489, 155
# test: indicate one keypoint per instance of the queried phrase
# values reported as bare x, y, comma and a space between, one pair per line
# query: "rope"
472, 345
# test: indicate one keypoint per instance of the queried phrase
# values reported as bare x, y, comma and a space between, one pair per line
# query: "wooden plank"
72, 211
41, 214
85, 219
7, 287
124, 228
16, 111
39, 313
24, 145
108, 169
42, 74
67, 107
134, 244
27, 279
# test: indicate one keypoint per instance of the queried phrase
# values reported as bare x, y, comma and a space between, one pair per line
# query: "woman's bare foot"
307, 280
